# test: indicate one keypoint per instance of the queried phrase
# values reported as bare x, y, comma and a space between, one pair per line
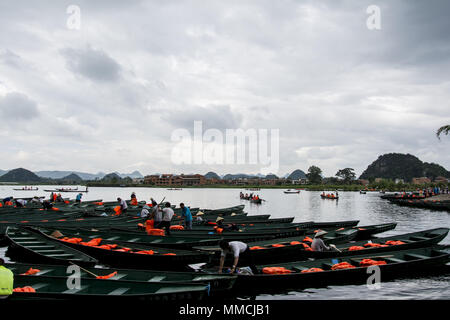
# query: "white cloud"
107, 97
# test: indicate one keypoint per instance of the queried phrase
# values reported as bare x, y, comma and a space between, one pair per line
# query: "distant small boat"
65, 190
291, 191
329, 196
26, 189
175, 189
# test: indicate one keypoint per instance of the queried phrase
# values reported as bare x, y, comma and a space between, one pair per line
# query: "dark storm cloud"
91, 63
216, 117
18, 106
339, 93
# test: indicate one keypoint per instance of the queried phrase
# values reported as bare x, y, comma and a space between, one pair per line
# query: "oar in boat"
87, 271
93, 274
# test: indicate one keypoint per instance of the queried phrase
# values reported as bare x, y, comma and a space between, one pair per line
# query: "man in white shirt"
21, 203
123, 205
238, 249
167, 214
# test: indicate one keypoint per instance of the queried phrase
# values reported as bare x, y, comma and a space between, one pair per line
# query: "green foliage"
402, 166
314, 175
347, 174
444, 129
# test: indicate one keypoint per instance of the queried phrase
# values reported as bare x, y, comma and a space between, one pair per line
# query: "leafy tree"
347, 174
444, 129
314, 175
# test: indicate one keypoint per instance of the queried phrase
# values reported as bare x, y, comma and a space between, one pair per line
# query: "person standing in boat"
167, 214
186, 213
319, 245
123, 205
239, 250
78, 198
6, 281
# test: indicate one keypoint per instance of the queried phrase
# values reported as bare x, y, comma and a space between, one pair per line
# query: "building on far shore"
364, 182
300, 181
175, 180
397, 181
421, 180
441, 179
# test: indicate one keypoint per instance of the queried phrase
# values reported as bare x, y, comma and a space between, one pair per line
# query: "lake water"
368, 208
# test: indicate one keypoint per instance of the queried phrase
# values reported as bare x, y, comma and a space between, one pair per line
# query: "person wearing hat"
198, 216
145, 211
6, 281
319, 245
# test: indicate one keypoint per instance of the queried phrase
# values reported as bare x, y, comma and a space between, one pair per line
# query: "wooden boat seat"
299, 268
394, 260
118, 291
42, 272
75, 290
418, 238
51, 251
40, 247
156, 278
25, 243
327, 266
60, 255
415, 256
38, 286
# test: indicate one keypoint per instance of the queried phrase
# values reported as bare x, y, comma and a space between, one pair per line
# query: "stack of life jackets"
342, 265
276, 270
370, 262
311, 270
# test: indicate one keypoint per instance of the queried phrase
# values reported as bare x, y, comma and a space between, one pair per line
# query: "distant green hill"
72, 178
212, 175
20, 175
297, 174
402, 166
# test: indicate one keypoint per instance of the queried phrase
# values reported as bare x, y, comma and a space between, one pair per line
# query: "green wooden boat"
399, 264
216, 282
131, 255
30, 246
175, 242
289, 249
281, 249
224, 211
51, 288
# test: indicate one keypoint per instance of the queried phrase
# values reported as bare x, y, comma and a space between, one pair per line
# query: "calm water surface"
306, 206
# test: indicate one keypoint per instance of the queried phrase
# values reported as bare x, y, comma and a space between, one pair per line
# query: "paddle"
87, 271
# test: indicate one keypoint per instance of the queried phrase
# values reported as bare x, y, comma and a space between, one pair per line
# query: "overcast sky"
108, 97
